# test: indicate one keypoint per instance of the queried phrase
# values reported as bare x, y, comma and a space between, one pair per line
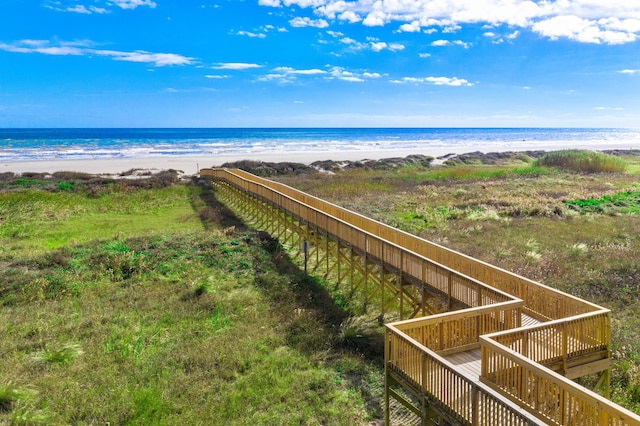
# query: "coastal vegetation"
582, 161
575, 231
144, 300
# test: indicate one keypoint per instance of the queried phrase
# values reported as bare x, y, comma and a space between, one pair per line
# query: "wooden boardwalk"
475, 344
468, 363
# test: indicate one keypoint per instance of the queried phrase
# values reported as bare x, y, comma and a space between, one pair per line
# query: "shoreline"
190, 165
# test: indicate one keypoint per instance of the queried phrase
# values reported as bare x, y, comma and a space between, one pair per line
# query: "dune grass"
155, 306
582, 161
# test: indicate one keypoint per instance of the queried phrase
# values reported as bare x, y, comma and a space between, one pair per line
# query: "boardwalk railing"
540, 300
461, 330
558, 344
335, 221
520, 366
431, 376
548, 395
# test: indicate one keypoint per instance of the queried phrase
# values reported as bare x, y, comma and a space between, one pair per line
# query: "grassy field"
129, 305
148, 302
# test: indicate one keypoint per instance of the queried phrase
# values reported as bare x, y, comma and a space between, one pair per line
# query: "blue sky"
319, 63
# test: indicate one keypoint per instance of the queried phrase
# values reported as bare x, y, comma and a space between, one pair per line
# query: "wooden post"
305, 250
387, 348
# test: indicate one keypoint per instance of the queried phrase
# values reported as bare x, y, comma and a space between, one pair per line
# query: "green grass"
57, 219
627, 202
582, 161
143, 306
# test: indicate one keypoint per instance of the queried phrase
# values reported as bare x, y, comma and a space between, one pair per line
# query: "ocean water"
63, 144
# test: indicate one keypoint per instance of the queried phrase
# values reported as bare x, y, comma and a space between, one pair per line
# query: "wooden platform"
467, 362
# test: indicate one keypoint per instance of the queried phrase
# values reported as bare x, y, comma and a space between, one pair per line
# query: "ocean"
67, 144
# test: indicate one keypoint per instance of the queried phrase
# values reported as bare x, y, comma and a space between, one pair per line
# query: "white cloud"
251, 34
157, 59
629, 71
441, 43
350, 17
288, 70
451, 28
585, 21
583, 30
514, 35
86, 10
288, 74
375, 19
216, 77
448, 81
378, 46
348, 76
308, 22
372, 44
237, 66
413, 27
132, 4
105, 6
83, 48
340, 73
348, 40
424, 55
438, 81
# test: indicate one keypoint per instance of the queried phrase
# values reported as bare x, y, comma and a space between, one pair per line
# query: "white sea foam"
56, 144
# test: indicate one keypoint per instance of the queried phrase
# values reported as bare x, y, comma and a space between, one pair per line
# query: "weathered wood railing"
574, 340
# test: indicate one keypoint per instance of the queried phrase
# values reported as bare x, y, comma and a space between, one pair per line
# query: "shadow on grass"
213, 214
315, 321
312, 321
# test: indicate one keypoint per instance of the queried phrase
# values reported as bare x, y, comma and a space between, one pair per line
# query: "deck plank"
468, 363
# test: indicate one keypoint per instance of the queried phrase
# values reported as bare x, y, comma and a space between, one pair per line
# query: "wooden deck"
468, 363
481, 345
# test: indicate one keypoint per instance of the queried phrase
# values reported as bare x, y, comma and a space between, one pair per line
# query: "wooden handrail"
433, 376
463, 289
461, 330
560, 339
547, 394
542, 301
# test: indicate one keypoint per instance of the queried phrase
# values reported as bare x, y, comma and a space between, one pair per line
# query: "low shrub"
582, 161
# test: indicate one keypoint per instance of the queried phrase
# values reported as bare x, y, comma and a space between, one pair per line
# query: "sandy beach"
190, 165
